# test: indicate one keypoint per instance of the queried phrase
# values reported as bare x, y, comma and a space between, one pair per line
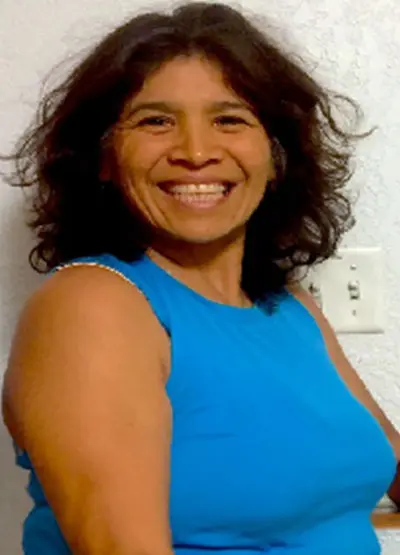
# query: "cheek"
264, 159
130, 171
261, 171
256, 157
136, 158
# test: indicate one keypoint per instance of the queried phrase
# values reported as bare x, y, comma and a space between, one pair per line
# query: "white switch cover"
349, 290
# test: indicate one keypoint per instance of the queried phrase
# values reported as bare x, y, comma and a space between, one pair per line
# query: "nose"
196, 145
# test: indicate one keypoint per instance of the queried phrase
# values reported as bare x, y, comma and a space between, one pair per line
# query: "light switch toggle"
354, 290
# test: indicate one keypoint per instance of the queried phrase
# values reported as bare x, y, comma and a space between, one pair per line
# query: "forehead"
186, 80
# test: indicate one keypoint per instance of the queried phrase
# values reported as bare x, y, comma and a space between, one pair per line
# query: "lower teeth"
199, 197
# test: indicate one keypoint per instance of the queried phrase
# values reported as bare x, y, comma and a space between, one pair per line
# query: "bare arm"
84, 394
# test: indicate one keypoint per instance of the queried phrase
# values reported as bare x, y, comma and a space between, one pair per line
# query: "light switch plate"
349, 290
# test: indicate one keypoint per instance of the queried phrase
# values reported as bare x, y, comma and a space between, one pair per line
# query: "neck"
213, 270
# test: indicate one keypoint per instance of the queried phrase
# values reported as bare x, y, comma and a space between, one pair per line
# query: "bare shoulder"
91, 286
81, 320
307, 300
85, 300
331, 341
92, 296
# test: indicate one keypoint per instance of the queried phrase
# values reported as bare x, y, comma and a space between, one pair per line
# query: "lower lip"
200, 201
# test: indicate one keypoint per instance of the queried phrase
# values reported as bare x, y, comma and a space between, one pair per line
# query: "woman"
173, 389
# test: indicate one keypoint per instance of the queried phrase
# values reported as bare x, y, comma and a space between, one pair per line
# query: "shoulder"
86, 299
80, 299
94, 289
331, 341
83, 329
307, 300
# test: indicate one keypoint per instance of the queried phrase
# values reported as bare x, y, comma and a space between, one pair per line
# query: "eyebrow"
172, 108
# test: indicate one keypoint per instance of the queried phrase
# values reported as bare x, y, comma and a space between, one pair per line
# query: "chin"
203, 238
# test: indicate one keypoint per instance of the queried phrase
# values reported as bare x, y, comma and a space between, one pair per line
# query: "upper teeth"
198, 188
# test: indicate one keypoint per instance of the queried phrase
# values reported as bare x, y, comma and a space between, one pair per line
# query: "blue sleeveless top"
270, 451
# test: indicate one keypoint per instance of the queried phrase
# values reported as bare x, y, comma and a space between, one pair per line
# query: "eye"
230, 121
155, 121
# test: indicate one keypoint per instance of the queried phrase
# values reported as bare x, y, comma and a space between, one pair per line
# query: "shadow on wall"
17, 281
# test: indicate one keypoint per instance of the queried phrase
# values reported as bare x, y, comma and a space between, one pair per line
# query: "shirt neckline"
205, 300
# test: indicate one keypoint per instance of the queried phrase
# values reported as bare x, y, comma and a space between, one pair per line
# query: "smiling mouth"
198, 195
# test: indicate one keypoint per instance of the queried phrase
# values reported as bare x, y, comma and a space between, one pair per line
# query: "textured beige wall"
354, 45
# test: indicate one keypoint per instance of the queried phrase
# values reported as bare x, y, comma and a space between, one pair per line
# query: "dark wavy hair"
304, 212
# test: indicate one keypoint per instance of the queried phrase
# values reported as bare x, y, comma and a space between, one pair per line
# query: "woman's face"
191, 155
